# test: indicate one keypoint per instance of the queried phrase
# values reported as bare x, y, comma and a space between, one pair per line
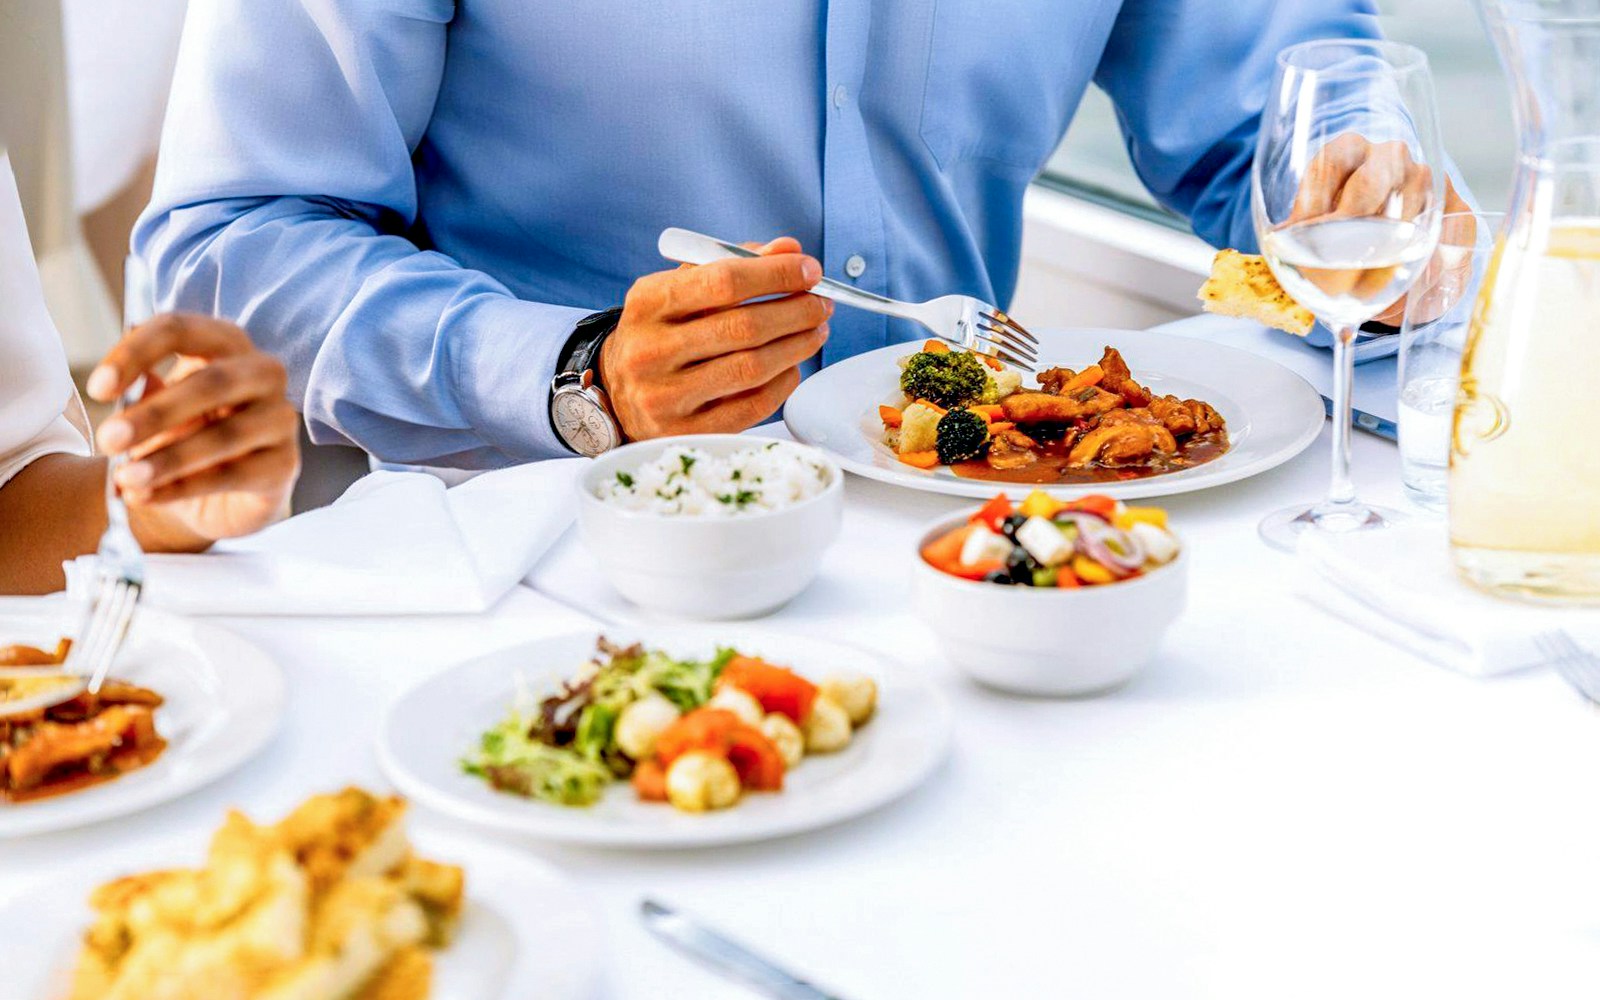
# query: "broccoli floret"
950, 380
962, 435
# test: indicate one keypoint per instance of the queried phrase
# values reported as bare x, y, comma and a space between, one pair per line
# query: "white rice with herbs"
694, 482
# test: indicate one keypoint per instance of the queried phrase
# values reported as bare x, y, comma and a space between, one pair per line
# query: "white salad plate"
427, 731
526, 932
1272, 413
224, 700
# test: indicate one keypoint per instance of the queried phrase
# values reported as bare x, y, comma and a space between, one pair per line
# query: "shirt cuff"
503, 368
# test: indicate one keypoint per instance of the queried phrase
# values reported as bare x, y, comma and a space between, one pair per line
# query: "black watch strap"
582, 351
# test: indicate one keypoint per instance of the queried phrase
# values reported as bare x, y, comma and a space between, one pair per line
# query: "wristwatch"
580, 413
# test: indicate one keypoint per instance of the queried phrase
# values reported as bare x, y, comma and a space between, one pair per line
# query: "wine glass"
1348, 194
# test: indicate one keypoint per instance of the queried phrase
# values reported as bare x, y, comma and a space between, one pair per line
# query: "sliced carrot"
994, 513
890, 416
935, 407
921, 459
990, 412
650, 780
935, 347
1089, 376
992, 362
1001, 425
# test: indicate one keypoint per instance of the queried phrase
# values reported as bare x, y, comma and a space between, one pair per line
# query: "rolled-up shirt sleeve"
1189, 79
37, 399
283, 200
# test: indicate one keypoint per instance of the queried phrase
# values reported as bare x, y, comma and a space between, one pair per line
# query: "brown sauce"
78, 778
1052, 468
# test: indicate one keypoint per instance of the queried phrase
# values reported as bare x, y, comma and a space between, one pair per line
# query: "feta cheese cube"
1044, 541
1159, 545
983, 546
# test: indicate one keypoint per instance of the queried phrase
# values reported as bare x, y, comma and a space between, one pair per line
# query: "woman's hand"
212, 452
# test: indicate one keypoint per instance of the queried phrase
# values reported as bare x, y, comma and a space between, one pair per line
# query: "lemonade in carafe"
1525, 461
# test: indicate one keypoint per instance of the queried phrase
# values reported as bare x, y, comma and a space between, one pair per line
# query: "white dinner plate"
1272, 413
526, 933
224, 700
427, 731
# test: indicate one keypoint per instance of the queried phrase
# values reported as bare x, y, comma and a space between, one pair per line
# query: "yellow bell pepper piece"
1090, 571
1130, 516
1039, 504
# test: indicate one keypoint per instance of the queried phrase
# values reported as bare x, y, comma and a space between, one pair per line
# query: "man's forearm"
54, 510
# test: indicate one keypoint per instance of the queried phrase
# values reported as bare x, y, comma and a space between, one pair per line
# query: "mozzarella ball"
699, 781
857, 694
641, 722
740, 702
786, 736
827, 728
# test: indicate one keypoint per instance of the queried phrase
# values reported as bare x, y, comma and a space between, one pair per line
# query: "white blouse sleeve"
38, 402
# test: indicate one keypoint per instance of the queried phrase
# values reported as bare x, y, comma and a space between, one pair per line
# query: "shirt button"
856, 266
840, 95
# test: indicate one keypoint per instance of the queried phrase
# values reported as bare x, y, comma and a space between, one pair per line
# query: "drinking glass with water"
1438, 314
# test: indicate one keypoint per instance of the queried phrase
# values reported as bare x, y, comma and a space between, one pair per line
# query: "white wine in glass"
1348, 197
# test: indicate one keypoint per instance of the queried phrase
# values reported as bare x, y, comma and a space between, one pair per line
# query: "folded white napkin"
1400, 585
394, 544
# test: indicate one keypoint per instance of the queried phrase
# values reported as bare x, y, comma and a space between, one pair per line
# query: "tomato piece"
993, 514
778, 689
1066, 579
1096, 504
702, 729
650, 781
758, 762
720, 732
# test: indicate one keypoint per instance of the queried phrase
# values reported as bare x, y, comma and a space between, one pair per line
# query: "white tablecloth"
1280, 807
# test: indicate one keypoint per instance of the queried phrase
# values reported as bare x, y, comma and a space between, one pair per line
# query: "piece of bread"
408, 976
1242, 285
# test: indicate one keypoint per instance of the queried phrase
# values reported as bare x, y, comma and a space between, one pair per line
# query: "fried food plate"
1272, 413
224, 699
526, 932
427, 731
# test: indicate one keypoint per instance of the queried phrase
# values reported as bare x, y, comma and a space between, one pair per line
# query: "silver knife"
729, 958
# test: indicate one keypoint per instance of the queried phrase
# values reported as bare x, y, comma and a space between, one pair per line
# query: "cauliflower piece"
1000, 385
827, 728
700, 781
786, 736
641, 722
856, 693
919, 428
740, 702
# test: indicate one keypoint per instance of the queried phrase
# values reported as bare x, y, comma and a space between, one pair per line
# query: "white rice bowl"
688, 481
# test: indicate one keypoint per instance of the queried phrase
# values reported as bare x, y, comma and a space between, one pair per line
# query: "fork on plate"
119, 561
962, 320
1576, 665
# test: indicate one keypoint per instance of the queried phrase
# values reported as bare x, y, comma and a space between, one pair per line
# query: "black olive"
999, 576
1009, 526
1020, 565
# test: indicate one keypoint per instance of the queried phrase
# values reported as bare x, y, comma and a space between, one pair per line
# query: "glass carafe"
1525, 459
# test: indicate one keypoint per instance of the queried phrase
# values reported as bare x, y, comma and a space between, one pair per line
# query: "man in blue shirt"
416, 203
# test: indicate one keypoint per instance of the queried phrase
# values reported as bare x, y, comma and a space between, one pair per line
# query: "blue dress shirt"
412, 202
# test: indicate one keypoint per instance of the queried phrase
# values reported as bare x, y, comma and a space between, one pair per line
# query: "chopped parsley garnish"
688, 463
740, 499
625, 479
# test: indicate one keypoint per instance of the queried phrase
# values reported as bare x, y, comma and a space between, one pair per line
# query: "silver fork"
1576, 665
119, 562
962, 320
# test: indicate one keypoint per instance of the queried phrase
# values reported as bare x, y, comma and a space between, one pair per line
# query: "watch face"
582, 424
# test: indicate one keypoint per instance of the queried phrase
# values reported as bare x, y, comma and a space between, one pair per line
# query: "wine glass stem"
1341, 491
